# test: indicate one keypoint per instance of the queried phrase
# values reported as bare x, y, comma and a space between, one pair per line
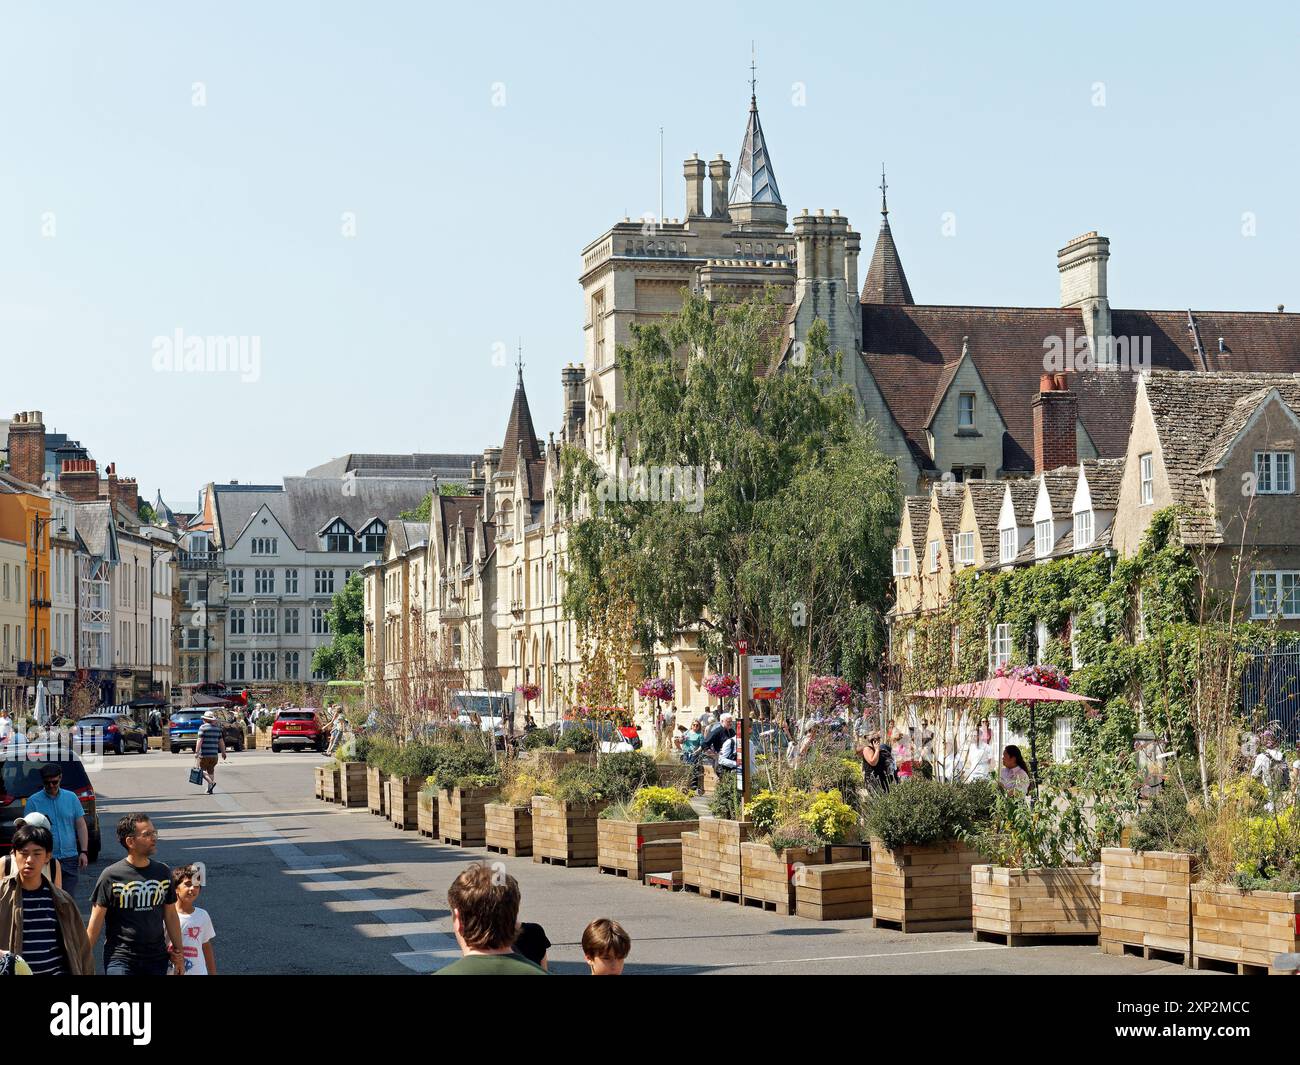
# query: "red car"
299, 728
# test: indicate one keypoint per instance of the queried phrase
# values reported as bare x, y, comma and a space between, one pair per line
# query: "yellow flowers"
830, 817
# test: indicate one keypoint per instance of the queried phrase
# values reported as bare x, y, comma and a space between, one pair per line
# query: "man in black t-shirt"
136, 900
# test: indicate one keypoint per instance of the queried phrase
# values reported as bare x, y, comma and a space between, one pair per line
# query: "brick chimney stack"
79, 480
1056, 414
27, 447
126, 494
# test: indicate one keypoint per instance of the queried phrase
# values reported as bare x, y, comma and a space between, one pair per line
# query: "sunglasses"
149, 834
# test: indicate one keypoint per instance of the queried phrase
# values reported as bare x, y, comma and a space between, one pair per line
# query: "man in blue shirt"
67, 824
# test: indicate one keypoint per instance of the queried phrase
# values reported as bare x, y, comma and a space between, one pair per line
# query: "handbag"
196, 775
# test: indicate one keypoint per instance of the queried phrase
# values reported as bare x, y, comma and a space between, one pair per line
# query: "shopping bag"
196, 775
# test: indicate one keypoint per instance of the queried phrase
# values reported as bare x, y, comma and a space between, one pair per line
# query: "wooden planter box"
376, 791
923, 889
1246, 929
1011, 905
155, 743
675, 775
404, 801
564, 833
260, 738
461, 818
329, 783
508, 829
1146, 902
833, 892
352, 783
711, 858
426, 814
767, 878
319, 790
710, 778
635, 848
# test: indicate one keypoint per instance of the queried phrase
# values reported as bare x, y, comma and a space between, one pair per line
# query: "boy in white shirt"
197, 932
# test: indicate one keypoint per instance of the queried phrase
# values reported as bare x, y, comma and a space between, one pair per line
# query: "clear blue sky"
225, 219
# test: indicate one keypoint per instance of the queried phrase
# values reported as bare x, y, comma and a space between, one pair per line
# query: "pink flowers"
659, 688
722, 685
825, 692
1043, 676
529, 691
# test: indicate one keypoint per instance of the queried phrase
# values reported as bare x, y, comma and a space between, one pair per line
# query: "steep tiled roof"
1191, 411
918, 513
755, 180
1104, 477
1024, 494
366, 464
519, 429
986, 502
886, 282
1061, 485
908, 348
949, 511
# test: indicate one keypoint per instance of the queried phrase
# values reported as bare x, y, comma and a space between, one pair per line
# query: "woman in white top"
1014, 775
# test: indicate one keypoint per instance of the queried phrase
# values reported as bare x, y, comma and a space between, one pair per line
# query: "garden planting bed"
1243, 930
426, 814
674, 774
833, 892
922, 888
508, 829
636, 848
711, 858
461, 818
376, 791
1014, 905
352, 783
553, 761
1146, 902
404, 801
564, 833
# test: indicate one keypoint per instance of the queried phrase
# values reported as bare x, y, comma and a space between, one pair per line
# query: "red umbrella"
1007, 690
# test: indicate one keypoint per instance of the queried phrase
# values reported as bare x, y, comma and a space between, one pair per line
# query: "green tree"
424, 511
344, 656
787, 543
146, 514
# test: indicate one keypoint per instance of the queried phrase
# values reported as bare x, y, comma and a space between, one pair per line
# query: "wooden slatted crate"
922, 888
767, 878
404, 801
319, 788
1248, 929
833, 892
352, 783
710, 777
508, 829
564, 833
691, 863
714, 857
1146, 902
1014, 904
376, 791
633, 848
426, 814
461, 816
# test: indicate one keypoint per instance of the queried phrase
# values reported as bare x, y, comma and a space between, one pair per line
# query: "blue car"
183, 732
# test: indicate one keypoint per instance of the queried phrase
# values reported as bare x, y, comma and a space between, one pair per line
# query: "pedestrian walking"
484, 902
37, 918
6, 726
197, 932
1014, 775
210, 743
134, 903
336, 730
606, 945
67, 825
52, 871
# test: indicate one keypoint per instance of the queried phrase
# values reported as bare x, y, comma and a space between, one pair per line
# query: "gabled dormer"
371, 537
1016, 520
335, 535
1096, 496
1053, 514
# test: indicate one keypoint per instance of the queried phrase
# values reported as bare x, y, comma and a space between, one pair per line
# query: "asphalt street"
299, 886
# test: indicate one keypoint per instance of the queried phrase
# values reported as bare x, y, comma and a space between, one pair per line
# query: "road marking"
848, 957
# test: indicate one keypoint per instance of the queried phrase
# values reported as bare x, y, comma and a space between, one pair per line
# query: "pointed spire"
519, 429
755, 180
886, 282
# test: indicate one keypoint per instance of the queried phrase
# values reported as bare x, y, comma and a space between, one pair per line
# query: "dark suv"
110, 732
20, 779
183, 732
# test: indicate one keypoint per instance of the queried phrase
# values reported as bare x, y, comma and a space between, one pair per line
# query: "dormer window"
338, 537
902, 562
1082, 529
1007, 545
934, 556
963, 548
371, 540
966, 410
1274, 472
1043, 538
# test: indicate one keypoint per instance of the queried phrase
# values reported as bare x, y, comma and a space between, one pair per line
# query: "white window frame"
933, 553
236, 582
291, 665
1007, 544
264, 621
237, 626
902, 563
237, 665
962, 422
324, 582
999, 643
963, 548
1275, 473
1062, 739
291, 621
1043, 539
263, 582
1083, 522
1146, 474
1281, 585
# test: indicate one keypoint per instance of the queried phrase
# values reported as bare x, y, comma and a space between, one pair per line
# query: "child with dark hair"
605, 945
197, 932
38, 919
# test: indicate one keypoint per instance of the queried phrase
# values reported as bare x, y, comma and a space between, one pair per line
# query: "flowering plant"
826, 692
722, 685
529, 691
1044, 676
660, 688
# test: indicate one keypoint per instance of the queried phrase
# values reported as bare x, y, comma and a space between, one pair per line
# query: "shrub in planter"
922, 812
725, 803
576, 783
643, 834
622, 773
661, 804
830, 818
768, 808
538, 740
458, 765
579, 740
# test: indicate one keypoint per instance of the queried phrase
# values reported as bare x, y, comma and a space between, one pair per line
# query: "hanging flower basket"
827, 693
1044, 676
659, 688
722, 686
529, 691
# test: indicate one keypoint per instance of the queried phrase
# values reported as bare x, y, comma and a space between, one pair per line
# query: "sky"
386, 198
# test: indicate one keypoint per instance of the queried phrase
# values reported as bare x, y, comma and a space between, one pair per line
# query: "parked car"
20, 778
110, 732
298, 728
610, 738
183, 732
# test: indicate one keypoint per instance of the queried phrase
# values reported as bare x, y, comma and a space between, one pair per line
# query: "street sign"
765, 676
742, 646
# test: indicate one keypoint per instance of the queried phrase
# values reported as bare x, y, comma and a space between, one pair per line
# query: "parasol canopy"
1003, 690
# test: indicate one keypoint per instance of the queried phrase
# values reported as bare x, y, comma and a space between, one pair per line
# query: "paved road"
298, 886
